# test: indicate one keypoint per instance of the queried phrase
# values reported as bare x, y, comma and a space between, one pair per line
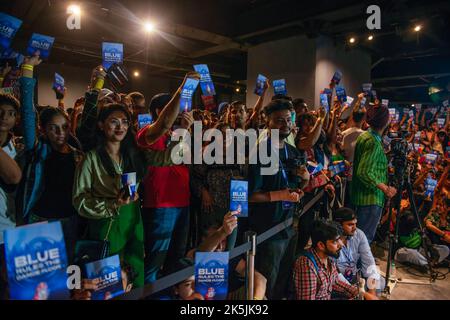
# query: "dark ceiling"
218, 32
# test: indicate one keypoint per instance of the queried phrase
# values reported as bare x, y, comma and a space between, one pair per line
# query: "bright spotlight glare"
74, 9
417, 28
370, 38
352, 40
149, 27
136, 73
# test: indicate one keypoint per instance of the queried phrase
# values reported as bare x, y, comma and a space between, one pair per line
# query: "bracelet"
99, 84
28, 67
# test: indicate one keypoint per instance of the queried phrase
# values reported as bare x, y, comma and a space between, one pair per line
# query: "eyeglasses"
119, 122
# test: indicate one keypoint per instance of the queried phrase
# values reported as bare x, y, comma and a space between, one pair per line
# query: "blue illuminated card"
337, 167
111, 53
144, 120
314, 169
239, 197
109, 275
324, 102
42, 43
186, 94
260, 83
337, 77
341, 94
279, 87
430, 186
206, 83
211, 275
36, 262
8, 29
58, 83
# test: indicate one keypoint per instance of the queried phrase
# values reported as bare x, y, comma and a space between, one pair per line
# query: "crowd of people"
64, 163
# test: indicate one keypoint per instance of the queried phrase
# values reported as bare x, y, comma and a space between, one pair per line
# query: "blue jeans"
165, 238
368, 219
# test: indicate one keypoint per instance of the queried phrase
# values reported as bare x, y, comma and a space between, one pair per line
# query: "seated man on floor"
355, 256
410, 249
316, 274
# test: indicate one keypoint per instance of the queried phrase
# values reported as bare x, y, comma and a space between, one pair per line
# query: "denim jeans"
165, 238
368, 219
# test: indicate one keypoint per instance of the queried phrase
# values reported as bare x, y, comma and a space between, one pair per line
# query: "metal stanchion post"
250, 265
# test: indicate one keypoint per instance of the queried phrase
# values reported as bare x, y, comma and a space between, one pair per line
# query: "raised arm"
168, 115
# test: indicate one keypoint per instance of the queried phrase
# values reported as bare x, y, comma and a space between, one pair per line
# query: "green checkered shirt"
370, 168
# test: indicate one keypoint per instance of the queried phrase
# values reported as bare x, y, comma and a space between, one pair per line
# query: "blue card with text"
42, 43
337, 77
211, 275
260, 82
187, 93
109, 274
111, 53
239, 197
430, 186
367, 88
341, 94
144, 120
206, 83
279, 87
36, 262
8, 29
58, 83
324, 102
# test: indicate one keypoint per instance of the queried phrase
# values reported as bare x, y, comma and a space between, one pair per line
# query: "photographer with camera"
369, 185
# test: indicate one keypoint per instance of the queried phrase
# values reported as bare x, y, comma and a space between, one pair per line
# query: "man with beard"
316, 274
355, 255
272, 199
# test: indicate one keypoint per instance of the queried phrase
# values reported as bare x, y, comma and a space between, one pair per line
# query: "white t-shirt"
349, 138
7, 206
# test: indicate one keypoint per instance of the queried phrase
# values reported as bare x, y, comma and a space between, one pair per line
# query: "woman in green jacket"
99, 196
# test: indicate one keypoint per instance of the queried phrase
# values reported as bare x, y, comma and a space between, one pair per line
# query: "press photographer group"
159, 152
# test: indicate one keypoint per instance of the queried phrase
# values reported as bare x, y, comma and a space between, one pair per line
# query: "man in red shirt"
166, 197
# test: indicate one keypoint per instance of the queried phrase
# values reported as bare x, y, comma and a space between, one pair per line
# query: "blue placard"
211, 275
186, 94
337, 77
279, 87
144, 120
430, 185
36, 262
206, 83
314, 169
431, 158
58, 84
324, 102
239, 197
341, 94
42, 43
260, 83
337, 167
8, 29
109, 275
111, 53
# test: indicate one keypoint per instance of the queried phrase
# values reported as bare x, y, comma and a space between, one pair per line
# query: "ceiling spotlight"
238, 90
136, 73
352, 40
370, 38
417, 28
74, 9
149, 26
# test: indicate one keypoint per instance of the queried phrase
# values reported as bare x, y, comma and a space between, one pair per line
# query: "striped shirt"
370, 168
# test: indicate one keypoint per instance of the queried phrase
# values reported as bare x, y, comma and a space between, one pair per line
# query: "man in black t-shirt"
272, 199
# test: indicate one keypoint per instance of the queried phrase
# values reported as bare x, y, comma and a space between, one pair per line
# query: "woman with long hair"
113, 212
